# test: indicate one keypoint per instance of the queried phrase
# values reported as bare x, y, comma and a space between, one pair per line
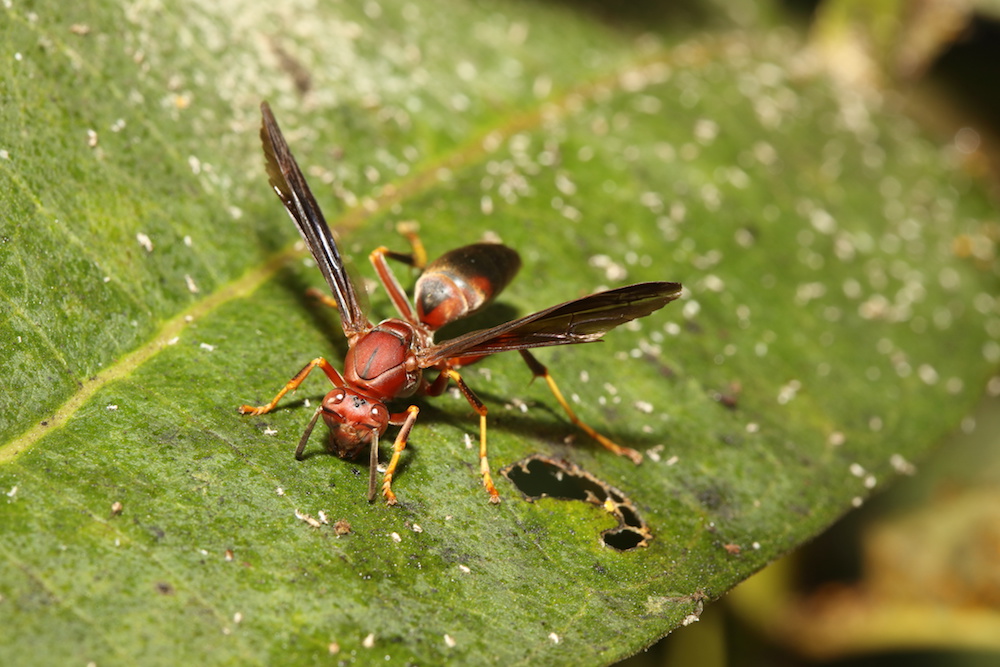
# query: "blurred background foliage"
913, 577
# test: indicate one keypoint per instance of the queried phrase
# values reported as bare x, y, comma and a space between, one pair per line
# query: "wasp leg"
477, 405
391, 284
294, 383
325, 299
417, 259
308, 432
437, 387
408, 418
541, 371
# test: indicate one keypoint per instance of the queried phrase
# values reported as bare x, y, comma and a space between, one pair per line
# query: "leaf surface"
838, 317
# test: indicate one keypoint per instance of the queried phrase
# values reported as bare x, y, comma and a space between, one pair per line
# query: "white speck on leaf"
144, 241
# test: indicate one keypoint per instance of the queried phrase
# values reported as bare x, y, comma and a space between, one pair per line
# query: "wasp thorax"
377, 362
354, 420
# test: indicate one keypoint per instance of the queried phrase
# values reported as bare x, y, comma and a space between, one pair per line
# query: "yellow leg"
397, 448
477, 405
409, 230
541, 371
325, 299
484, 463
294, 383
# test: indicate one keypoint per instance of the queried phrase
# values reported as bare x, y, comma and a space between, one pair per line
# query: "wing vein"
291, 187
583, 320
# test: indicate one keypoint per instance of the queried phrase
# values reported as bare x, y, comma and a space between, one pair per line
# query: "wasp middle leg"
436, 388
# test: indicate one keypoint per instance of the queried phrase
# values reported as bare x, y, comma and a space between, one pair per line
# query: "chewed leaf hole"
540, 476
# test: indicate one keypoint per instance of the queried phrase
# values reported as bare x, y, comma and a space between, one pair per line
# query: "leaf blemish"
539, 476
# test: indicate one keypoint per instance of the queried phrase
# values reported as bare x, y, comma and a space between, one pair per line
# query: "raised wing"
290, 185
581, 321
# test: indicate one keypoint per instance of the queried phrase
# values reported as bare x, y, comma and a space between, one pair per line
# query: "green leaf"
839, 316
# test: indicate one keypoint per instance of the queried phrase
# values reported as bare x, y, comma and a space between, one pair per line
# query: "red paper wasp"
386, 361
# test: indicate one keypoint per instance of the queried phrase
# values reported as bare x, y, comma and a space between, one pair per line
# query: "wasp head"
355, 420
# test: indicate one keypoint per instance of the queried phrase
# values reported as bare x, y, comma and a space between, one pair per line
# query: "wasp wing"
581, 321
290, 185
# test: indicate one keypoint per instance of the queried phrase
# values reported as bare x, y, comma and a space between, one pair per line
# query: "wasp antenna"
305, 434
373, 466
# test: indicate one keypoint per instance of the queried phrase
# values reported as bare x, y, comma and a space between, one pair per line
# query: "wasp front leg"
293, 384
408, 418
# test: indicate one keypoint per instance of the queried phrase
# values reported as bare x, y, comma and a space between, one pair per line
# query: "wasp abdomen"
462, 281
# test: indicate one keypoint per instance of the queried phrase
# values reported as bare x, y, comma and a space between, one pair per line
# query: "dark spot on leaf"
801, 510
164, 588
661, 368
717, 498
710, 499
540, 476
293, 67
731, 439
729, 397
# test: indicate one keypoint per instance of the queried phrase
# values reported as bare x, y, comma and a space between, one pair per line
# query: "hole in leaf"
540, 476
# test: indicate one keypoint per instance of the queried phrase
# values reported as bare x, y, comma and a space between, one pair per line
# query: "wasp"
398, 358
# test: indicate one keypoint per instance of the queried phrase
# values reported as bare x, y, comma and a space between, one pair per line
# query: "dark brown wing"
581, 321
290, 185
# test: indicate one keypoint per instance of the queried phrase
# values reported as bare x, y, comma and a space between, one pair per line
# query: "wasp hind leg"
417, 258
539, 370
